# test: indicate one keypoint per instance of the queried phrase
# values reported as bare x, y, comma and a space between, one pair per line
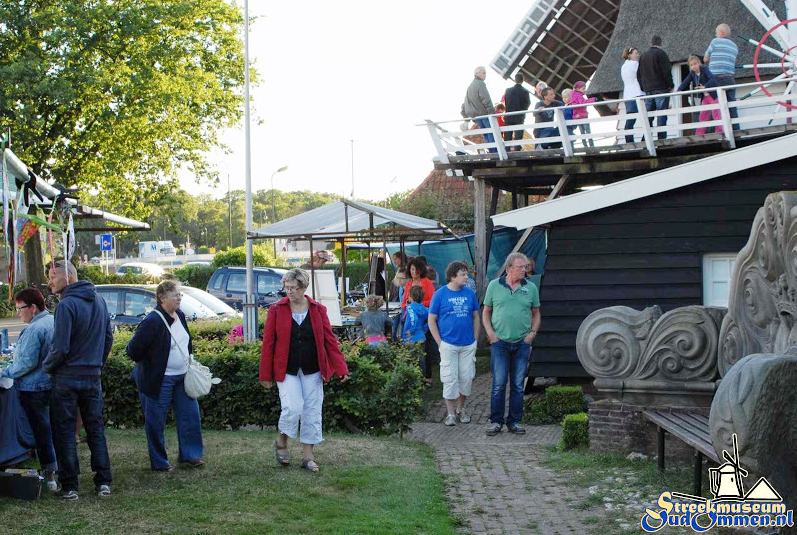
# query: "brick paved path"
497, 484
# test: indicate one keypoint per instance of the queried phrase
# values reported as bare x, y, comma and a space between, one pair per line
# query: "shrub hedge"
381, 396
196, 276
557, 402
575, 431
262, 255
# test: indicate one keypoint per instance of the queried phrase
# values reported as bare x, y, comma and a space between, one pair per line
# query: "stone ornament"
762, 305
757, 400
623, 343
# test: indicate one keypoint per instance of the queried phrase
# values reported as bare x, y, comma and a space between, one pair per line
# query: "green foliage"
202, 249
381, 396
262, 255
196, 276
562, 400
575, 431
95, 275
116, 96
557, 402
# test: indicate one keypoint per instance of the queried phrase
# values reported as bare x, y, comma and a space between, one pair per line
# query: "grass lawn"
366, 485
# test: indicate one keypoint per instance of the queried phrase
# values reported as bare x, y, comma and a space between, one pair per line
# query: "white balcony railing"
449, 140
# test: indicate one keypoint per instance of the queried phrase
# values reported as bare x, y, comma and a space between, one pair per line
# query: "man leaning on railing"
721, 58
478, 102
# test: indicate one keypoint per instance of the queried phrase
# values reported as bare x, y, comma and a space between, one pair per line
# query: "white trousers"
301, 399
457, 369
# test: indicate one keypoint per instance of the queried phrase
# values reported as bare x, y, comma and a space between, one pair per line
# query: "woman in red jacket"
299, 352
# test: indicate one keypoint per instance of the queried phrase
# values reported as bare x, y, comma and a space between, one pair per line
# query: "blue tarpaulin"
440, 253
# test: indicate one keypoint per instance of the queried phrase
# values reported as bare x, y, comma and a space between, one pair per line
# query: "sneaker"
463, 417
516, 429
67, 494
450, 420
103, 491
52, 486
493, 429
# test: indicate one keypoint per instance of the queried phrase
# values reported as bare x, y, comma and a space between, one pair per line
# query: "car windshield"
212, 302
194, 310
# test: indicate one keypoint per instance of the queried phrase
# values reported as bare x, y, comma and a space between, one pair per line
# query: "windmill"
726, 481
784, 33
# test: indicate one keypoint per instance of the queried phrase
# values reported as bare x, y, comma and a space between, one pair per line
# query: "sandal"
283, 460
310, 465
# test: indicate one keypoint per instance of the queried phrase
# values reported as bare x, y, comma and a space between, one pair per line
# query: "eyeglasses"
20, 308
177, 296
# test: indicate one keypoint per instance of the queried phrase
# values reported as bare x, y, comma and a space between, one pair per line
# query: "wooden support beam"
342, 272
489, 230
480, 236
514, 200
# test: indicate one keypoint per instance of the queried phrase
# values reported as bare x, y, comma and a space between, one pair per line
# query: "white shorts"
301, 399
457, 369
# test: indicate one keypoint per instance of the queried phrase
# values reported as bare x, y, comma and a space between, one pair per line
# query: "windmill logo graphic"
761, 506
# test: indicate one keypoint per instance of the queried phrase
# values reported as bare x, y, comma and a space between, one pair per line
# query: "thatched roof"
685, 26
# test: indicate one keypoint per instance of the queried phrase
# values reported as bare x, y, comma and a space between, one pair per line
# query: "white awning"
342, 218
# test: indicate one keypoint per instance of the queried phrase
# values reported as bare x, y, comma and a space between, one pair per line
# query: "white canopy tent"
348, 218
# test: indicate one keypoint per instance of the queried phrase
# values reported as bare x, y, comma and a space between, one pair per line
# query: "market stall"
346, 222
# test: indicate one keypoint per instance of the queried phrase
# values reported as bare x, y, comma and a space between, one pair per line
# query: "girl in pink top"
576, 98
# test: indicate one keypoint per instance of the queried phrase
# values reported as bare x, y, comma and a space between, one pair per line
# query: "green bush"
575, 431
94, 274
381, 396
557, 402
262, 255
203, 249
563, 400
196, 276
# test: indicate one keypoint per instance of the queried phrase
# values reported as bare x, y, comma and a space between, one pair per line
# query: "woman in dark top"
160, 374
299, 352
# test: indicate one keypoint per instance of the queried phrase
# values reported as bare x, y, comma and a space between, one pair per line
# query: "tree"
115, 96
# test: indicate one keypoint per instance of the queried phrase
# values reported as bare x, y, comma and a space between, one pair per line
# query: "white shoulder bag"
198, 378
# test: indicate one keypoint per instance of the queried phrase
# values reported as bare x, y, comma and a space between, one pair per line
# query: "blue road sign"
106, 242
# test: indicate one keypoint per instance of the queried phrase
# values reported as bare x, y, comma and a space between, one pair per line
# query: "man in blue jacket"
81, 343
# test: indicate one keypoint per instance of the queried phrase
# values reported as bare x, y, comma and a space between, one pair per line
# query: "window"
138, 304
717, 272
268, 284
218, 281
111, 298
236, 282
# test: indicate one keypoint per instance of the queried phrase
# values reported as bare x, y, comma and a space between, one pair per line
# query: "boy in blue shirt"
415, 325
454, 324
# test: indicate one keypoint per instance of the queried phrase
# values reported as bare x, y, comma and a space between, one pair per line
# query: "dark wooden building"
669, 244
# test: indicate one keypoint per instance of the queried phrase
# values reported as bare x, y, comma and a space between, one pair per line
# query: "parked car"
128, 304
229, 284
215, 304
140, 268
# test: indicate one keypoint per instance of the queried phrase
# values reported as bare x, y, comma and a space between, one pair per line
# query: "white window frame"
709, 297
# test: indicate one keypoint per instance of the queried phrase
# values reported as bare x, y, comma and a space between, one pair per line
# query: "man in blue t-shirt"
454, 324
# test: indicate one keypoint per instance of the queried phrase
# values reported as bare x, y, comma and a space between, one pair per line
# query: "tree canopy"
116, 95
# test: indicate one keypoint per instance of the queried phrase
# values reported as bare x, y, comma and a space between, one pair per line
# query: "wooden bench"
690, 428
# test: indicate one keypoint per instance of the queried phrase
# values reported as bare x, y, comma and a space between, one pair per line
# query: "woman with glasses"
35, 386
299, 352
161, 355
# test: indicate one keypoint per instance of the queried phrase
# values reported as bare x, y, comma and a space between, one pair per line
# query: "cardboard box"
22, 484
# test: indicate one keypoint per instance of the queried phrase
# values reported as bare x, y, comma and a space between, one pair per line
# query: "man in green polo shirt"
511, 319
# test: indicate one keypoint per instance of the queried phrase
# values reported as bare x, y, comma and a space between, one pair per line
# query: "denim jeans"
508, 362
541, 133
728, 79
488, 138
37, 408
658, 104
70, 394
186, 418
630, 107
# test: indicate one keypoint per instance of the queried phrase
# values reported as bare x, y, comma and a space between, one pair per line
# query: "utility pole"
250, 305
352, 169
229, 201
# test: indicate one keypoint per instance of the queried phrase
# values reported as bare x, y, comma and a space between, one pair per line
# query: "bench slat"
684, 426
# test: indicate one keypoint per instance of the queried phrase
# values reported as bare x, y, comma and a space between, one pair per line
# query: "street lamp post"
273, 206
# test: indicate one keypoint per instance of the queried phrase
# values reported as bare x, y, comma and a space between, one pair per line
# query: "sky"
332, 72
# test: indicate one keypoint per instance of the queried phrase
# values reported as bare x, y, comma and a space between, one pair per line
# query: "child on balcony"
577, 98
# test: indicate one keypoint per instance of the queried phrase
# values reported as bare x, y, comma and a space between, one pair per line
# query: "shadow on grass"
366, 485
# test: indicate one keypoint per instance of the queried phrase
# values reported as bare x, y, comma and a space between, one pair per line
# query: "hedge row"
558, 402
381, 396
